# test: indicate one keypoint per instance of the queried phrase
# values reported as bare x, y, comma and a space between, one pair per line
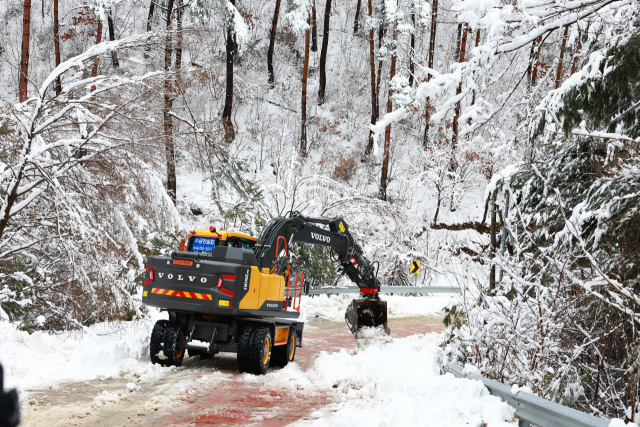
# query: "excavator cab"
205, 240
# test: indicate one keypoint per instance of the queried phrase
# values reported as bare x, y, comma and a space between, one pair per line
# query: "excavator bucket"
366, 312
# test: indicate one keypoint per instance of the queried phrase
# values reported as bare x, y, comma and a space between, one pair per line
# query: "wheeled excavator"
230, 292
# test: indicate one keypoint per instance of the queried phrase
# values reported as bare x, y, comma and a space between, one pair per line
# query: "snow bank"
40, 360
333, 307
398, 384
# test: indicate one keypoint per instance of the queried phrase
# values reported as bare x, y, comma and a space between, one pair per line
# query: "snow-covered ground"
398, 383
40, 360
386, 382
333, 307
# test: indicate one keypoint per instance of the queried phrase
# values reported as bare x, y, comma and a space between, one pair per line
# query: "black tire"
174, 355
243, 349
157, 339
283, 354
260, 347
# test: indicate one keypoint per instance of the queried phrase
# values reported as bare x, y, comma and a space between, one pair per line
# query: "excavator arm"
369, 309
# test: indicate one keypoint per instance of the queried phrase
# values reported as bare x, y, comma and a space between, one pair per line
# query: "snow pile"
141, 372
333, 307
288, 379
367, 336
398, 384
105, 397
40, 360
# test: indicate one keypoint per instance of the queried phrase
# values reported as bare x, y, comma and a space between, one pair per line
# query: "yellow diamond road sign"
415, 267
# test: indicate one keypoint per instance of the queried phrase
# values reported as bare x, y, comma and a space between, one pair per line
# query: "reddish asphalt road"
238, 402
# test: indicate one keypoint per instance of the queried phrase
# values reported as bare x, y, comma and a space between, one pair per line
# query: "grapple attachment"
366, 312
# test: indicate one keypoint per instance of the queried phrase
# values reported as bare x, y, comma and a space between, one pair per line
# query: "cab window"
238, 242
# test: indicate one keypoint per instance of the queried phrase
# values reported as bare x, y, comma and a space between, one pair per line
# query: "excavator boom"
369, 309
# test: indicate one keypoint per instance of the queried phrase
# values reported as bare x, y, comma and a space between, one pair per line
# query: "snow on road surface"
40, 360
333, 307
391, 382
398, 383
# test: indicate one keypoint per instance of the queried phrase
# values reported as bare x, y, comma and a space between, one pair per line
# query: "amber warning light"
185, 262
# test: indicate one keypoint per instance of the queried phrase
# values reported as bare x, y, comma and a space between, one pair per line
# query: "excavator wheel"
283, 354
366, 312
173, 354
260, 347
157, 338
243, 349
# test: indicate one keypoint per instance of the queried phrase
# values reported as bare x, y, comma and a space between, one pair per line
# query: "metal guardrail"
532, 410
386, 290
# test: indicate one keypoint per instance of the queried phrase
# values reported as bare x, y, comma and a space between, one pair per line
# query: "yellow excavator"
230, 292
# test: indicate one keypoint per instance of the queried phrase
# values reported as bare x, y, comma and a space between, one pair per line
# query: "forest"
495, 141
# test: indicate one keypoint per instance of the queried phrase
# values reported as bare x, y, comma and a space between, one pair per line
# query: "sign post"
415, 269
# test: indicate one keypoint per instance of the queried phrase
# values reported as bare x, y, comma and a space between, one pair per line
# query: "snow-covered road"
392, 382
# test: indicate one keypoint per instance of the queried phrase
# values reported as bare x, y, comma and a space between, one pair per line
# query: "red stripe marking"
224, 276
178, 294
192, 295
224, 291
207, 296
147, 282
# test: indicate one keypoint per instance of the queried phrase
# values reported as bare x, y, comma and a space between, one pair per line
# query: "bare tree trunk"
96, 59
152, 8
272, 44
531, 60
166, 112
457, 55
381, 34
462, 49
56, 43
356, 21
432, 44
179, 34
412, 43
574, 66
374, 98
387, 134
323, 54
564, 44
229, 131
24, 60
534, 76
435, 217
473, 98
305, 71
492, 274
314, 29
114, 55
